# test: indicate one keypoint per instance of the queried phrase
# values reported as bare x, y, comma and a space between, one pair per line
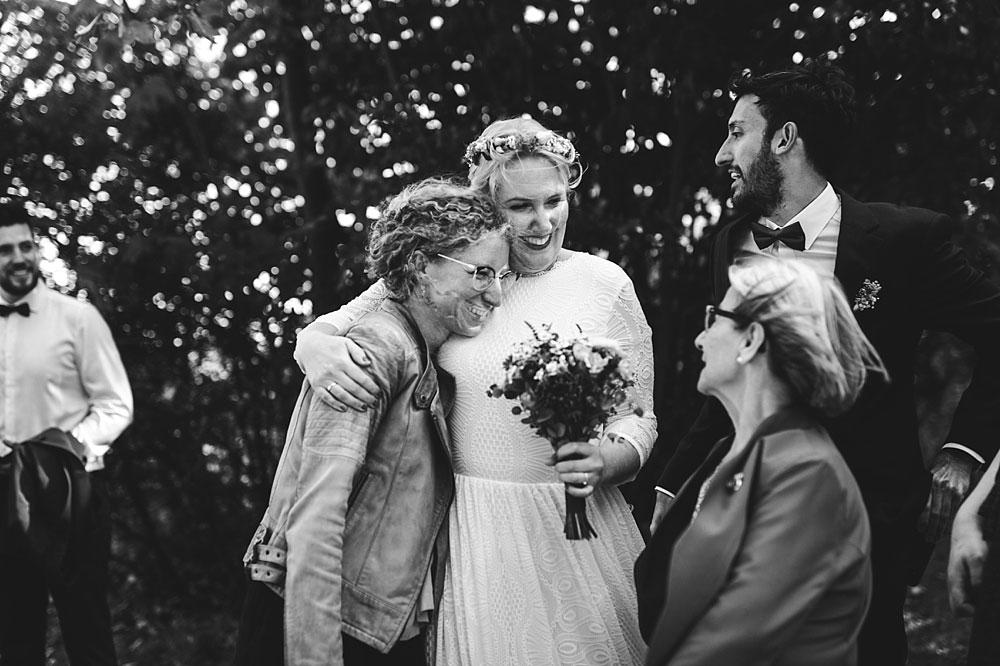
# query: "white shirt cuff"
952, 445
666, 492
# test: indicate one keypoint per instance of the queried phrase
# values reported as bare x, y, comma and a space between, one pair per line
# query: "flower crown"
547, 141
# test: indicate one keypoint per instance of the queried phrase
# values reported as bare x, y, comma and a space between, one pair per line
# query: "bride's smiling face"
534, 195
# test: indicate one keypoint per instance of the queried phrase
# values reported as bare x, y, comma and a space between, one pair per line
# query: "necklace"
542, 271
537, 273
704, 491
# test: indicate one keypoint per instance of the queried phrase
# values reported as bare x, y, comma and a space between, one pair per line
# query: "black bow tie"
21, 309
791, 235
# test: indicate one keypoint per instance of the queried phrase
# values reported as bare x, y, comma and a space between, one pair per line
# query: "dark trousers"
261, 637
81, 602
882, 641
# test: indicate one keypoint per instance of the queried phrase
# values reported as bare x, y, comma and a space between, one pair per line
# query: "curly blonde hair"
435, 215
527, 138
812, 340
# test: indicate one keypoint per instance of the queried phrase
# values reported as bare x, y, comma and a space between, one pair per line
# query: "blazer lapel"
713, 542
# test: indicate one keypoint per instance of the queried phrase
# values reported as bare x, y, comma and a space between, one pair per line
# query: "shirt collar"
31, 298
814, 217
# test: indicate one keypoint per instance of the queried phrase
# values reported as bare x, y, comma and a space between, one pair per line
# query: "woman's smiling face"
534, 195
456, 304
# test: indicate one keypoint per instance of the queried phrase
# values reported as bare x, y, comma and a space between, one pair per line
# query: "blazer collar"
788, 418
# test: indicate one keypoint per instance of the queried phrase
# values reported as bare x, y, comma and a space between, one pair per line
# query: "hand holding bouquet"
567, 390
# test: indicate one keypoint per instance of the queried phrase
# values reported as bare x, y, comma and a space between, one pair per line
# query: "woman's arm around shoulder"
333, 365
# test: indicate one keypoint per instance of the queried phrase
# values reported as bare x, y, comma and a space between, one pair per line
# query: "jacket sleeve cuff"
952, 446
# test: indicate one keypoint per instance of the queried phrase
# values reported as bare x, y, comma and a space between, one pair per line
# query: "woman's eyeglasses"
712, 313
483, 276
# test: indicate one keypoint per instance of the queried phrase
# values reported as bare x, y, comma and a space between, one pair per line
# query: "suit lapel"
726, 246
858, 246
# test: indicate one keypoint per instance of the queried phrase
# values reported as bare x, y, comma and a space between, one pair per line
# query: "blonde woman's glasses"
712, 313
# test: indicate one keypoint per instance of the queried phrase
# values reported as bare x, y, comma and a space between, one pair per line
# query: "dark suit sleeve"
711, 425
713, 422
959, 299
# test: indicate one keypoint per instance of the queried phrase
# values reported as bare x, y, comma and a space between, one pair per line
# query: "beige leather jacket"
359, 501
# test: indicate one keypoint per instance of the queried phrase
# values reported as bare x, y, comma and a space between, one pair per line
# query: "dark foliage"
210, 196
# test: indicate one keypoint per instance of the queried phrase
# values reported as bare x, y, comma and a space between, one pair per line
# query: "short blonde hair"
812, 340
509, 141
435, 215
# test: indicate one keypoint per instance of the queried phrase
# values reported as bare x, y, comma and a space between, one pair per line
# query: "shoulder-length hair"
812, 340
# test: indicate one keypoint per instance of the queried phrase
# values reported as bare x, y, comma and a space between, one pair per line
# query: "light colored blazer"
775, 568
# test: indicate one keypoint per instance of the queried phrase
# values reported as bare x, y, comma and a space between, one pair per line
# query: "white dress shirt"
60, 369
820, 222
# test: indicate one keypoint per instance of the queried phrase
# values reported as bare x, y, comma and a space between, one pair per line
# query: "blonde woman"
764, 556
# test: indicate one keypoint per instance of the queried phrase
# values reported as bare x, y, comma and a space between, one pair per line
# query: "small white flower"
597, 363
581, 352
867, 296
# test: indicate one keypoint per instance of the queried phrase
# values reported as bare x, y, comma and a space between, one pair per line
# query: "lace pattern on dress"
627, 324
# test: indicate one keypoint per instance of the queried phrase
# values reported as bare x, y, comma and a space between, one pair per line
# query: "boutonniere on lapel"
735, 483
867, 296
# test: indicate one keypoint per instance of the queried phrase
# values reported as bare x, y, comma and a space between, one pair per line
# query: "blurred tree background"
204, 172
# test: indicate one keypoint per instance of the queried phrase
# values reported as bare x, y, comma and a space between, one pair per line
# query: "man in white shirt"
903, 275
59, 368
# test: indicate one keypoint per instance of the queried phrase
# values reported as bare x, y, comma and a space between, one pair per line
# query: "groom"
903, 275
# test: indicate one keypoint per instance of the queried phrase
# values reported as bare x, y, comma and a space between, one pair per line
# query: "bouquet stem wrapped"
577, 526
567, 391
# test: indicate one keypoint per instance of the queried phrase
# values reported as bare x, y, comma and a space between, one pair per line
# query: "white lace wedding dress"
517, 592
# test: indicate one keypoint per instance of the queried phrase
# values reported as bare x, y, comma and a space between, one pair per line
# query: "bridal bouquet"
567, 390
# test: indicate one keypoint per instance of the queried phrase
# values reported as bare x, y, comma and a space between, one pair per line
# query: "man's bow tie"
21, 309
791, 235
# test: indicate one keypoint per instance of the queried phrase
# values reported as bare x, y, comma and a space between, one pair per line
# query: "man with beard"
903, 275
59, 369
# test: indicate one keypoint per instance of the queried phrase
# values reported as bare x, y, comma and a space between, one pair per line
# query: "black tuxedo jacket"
926, 283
